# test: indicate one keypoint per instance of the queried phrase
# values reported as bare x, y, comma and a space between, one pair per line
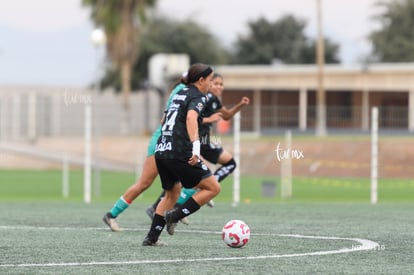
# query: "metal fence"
337, 117
31, 115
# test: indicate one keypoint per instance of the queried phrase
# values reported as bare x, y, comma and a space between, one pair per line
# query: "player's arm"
213, 118
228, 114
192, 130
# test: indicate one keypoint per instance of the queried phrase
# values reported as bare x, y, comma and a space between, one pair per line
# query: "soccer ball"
236, 233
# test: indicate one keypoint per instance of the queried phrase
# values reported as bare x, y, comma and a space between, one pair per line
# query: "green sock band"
185, 195
119, 207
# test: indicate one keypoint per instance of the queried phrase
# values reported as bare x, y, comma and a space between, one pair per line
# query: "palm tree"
122, 22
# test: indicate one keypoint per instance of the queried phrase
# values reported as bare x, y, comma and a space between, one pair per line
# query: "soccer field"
327, 227
286, 238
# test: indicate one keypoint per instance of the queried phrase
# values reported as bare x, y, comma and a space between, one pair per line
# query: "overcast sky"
48, 41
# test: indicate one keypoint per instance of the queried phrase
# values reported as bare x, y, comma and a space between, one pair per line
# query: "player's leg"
227, 166
208, 189
151, 209
149, 173
170, 184
167, 203
214, 154
158, 221
211, 154
223, 157
185, 194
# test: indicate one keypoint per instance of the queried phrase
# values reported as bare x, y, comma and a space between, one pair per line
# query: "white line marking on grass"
22, 227
364, 244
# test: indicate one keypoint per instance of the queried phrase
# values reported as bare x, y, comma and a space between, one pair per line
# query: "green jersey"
174, 142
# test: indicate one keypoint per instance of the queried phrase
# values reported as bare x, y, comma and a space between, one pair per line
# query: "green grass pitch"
315, 232
47, 186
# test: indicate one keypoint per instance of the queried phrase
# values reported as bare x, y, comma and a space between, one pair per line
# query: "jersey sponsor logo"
200, 106
161, 147
174, 106
180, 97
204, 167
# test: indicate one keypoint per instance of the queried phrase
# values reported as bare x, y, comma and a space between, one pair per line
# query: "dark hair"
182, 80
198, 70
215, 75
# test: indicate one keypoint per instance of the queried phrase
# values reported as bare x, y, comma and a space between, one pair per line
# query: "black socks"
225, 170
158, 223
188, 208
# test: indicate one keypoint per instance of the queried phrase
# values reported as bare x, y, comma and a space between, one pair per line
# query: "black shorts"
172, 171
211, 152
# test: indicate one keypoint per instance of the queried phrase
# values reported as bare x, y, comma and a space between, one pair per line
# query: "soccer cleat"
110, 221
210, 203
185, 221
170, 224
150, 212
148, 242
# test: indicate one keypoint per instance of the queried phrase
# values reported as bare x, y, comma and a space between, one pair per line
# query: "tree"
122, 21
281, 41
394, 41
162, 35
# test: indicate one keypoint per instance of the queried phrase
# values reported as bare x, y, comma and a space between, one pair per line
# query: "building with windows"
284, 96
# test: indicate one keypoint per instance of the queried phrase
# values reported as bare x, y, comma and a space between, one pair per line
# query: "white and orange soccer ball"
236, 233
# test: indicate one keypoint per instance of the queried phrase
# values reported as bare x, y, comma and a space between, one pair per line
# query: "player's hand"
245, 100
193, 160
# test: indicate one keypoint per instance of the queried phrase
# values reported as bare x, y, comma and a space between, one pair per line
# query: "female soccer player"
213, 153
177, 156
149, 172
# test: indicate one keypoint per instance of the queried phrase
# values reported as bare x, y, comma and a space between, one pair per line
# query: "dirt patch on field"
310, 157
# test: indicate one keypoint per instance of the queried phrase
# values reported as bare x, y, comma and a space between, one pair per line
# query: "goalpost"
286, 171
374, 155
236, 174
87, 154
